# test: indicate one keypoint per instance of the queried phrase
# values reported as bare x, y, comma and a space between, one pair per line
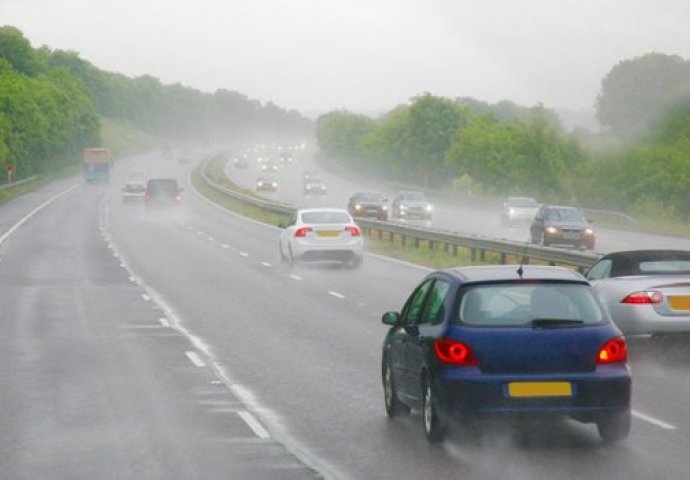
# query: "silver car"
647, 292
519, 210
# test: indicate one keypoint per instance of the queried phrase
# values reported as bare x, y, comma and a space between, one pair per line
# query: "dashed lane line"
266, 264
295, 277
244, 254
164, 321
145, 297
195, 359
254, 424
336, 294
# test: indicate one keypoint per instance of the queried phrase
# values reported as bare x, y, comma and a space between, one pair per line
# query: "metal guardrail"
257, 202
477, 244
19, 182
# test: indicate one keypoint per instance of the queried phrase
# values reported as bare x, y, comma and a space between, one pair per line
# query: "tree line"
51, 102
639, 162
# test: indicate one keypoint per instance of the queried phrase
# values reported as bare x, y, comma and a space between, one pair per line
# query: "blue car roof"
497, 273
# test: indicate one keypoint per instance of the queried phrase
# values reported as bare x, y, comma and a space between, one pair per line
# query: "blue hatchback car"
506, 340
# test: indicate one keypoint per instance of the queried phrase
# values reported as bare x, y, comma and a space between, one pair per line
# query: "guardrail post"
446, 247
455, 250
431, 244
503, 258
473, 254
403, 240
482, 255
380, 234
416, 242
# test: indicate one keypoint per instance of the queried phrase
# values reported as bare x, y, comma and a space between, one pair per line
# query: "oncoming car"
411, 204
368, 204
519, 210
647, 292
315, 186
320, 234
559, 225
266, 183
504, 341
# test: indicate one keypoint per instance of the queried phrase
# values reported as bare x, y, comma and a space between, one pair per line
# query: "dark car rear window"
162, 187
566, 215
369, 197
519, 304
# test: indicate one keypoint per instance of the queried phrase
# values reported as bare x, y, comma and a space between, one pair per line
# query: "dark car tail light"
453, 352
354, 231
302, 231
644, 297
613, 351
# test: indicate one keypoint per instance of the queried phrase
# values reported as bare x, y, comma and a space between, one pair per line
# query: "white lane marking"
164, 321
145, 297
652, 420
211, 239
336, 294
266, 264
33, 212
254, 424
199, 232
244, 254
194, 358
131, 278
295, 277
225, 245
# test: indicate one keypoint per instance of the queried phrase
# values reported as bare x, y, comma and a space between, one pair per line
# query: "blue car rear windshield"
519, 304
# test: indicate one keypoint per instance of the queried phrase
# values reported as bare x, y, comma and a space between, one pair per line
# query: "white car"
321, 234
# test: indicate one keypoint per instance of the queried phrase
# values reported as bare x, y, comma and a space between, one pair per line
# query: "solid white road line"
244, 254
194, 358
145, 297
254, 424
652, 420
211, 239
225, 245
336, 294
164, 322
33, 212
295, 277
266, 264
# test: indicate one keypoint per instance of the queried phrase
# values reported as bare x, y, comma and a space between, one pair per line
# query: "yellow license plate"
540, 389
679, 302
329, 233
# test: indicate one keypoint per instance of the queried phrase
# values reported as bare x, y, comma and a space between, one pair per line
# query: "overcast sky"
363, 55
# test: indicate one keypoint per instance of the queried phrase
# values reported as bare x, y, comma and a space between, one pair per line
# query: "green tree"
635, 93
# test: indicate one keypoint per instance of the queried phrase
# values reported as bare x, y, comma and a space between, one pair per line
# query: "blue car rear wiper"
555, 322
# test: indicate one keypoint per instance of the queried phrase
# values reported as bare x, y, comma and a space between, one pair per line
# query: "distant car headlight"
275, 184
403, 208
385, 207
551, 230
358, 207
429, 208
589, 231
511, 211
259, 184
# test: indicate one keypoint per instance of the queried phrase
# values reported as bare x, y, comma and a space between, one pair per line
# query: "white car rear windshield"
520, 304
326, 217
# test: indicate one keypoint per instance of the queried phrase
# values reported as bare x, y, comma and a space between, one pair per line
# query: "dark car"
163, 191
285, 158
506, 342
368, 204
559, 225
266, 183
314, 186
411, 204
